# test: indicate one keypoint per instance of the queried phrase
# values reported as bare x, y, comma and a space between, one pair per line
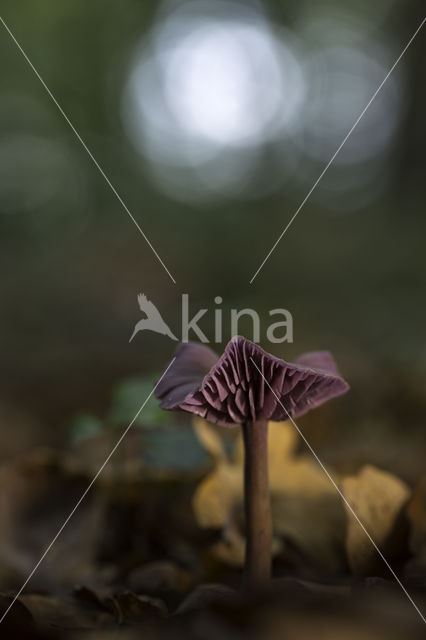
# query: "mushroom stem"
257, 506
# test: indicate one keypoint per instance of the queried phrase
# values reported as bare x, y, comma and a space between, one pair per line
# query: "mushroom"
248, 386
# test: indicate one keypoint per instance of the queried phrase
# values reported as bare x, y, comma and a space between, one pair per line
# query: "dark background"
351, 269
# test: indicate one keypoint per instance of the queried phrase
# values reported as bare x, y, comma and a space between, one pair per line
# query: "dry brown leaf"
19, 622
416, 513
130, 607
51, 612
378, 498
159, 577
37, 492
205, 596
417, 516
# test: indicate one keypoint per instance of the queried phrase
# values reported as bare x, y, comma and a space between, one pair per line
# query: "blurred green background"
212, 120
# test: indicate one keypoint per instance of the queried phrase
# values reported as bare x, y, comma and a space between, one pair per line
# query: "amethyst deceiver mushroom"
248, 386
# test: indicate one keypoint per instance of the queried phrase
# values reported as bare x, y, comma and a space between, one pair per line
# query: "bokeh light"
41, 177
215, 84
344, 67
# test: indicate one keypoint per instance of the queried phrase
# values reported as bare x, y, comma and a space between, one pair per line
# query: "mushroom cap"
231, 389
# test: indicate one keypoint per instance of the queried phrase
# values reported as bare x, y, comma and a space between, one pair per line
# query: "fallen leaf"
231, 550
130, 607
378, 499
283, 440
210, 439
37, 493
159, 578
19, 621
206, 595
415, 570
64, 613
416, 512
307, 512
123, 606
300, 494
218, 495
221, 492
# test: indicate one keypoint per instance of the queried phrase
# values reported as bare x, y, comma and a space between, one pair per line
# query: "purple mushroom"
248, 386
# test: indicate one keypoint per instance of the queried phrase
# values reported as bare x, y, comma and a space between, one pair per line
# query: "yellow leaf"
231, 550
209, 438
300, 495
282, 442
307, 511
378, 499
217, 496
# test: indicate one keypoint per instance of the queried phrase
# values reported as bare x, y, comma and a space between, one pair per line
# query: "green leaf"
85, 426
128, 397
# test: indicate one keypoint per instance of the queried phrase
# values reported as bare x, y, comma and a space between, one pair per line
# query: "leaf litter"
157, 550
